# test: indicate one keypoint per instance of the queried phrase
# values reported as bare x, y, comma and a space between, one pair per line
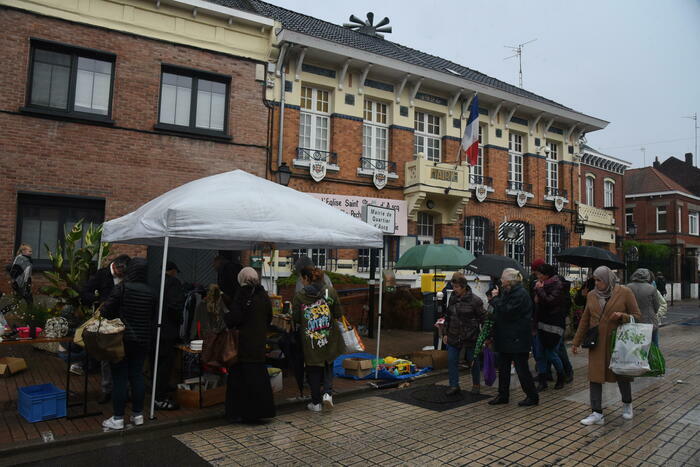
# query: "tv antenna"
518, 52
695, 117
644, 155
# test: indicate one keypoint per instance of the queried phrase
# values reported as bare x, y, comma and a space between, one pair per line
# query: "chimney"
689, 158
656, 164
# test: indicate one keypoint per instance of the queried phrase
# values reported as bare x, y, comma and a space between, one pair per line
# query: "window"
318, 256
427, 136
661, 219
553, 169
679, 222
515, 162
363, 256
314, 119
363, 259
475, 234
375, 132
609, 193
43, 220
629, 219
193, 101
590, 190
555, 241
516, 251
693, 223
71, 81
426, 227
478, 169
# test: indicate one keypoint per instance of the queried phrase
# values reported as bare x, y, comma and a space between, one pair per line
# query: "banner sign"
353, 205
382, 218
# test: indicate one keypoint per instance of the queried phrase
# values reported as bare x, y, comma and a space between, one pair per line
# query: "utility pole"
695, 118
518, 52
644, 155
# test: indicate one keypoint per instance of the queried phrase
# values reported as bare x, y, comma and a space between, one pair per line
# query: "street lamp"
284, 174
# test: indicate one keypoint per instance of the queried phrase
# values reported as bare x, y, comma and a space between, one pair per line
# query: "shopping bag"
630, 355
220, 349
489, 367
657, 363
78, 336
351, 338
104, 339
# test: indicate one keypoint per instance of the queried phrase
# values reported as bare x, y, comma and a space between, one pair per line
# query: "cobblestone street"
372, 429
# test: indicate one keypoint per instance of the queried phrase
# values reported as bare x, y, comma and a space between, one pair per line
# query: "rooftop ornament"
366, 27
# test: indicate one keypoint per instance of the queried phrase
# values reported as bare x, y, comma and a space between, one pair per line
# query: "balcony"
517, 187
436, 187
551, 192
480, 180
306, 155
368, 166
600, 223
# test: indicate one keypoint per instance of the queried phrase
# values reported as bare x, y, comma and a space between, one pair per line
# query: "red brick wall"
129, 163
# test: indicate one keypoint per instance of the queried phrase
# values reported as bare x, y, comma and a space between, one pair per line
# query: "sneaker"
528, 402
594, 418
314, 407
627, 412
137, 420
328, 401
113, 424
77, 369
166, 404
498, 400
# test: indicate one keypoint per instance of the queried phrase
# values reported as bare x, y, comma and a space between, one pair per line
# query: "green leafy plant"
72, 264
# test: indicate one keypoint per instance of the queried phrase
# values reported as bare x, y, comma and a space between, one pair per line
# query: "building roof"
315, 27
683, 172
650, 180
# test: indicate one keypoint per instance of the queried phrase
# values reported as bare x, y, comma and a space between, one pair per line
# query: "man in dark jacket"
552, 302
227, 275
173, 305
513, 337
95, 291
660, 283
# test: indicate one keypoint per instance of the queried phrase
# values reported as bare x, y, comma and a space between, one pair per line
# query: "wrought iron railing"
551, 191
380, 164
520, 186
306, 154
475, 179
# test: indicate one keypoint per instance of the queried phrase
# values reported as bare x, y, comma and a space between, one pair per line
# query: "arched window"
590, 189
609, 193
475, 234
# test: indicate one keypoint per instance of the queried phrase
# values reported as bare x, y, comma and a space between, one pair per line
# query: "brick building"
366, 120
108, 104
665, 212
683, 172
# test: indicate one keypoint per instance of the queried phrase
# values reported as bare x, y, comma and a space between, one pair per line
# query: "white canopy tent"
236, 211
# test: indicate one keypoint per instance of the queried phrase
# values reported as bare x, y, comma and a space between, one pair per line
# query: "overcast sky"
634, 63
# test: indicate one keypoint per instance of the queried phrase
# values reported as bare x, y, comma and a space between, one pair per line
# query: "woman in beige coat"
607, 306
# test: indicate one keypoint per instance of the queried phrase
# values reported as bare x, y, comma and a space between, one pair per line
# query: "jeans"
129, 371
597, 394
105, 377
564, 357
538, 354
453, 354
549, 356
524, 375
328, 378
655, 337
315, 375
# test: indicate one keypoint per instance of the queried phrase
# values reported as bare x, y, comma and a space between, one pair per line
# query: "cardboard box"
437, 359
190, 399
358, 373
357, 364
11, 365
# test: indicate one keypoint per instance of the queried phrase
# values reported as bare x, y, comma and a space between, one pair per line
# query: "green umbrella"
438, 256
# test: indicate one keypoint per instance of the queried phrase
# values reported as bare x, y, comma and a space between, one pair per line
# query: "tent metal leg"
379, 311
160, 319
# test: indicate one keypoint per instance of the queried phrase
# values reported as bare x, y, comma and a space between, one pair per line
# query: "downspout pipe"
281, 124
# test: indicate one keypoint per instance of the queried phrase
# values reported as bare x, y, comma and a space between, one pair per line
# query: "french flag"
470, 142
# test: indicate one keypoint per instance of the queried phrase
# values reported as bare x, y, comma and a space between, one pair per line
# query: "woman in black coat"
249, 394
513, 336
135, 303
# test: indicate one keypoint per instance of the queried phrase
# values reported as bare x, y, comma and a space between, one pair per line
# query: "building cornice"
662, 193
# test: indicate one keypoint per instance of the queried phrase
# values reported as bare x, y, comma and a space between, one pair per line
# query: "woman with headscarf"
647, 299
248, 393
607, 306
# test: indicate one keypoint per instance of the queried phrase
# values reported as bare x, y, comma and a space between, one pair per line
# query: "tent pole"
99, 255
379, 311
160, 319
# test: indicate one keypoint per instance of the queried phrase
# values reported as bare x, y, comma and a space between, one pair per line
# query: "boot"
560, 381
569, 378
542, 382
549, 375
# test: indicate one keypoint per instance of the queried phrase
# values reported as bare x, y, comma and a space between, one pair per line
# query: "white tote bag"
630, 357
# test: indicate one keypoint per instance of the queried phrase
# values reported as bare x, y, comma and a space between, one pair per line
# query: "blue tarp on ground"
338, 369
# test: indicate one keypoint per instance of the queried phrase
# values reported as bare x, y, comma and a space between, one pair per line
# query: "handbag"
630, 356
220, 349
489, 367
591, 339
78, 336
104, 339
351, 338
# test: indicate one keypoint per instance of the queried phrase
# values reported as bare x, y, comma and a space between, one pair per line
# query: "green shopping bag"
657, 363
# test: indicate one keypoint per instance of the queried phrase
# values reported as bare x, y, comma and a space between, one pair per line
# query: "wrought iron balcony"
306, 154
520, 186
475, 179
551, 191
367, 163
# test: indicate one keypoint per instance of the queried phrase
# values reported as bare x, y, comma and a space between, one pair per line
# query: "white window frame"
375, 131
679, 220
554, 240
553, 169
475, 235
693, 222
590, 190
478, 169
428, 131
608, 193
425, 227
515, 161
629, 219
316, 254
316, 118
661, 210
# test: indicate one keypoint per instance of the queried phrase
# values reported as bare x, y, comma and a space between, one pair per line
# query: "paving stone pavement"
372, 430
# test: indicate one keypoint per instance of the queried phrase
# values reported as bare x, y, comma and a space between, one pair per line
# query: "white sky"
634, 63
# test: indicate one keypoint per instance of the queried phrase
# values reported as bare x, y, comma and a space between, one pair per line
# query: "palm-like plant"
72, 263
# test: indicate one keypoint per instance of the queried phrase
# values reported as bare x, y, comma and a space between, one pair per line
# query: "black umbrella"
590, 257
493, 265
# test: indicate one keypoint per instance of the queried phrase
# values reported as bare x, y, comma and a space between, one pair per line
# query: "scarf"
604, 274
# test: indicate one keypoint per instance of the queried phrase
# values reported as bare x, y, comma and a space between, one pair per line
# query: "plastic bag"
657, 363
489, 367
351, 338
630, 355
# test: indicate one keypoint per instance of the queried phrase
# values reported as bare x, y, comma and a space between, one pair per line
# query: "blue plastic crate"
41, 402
